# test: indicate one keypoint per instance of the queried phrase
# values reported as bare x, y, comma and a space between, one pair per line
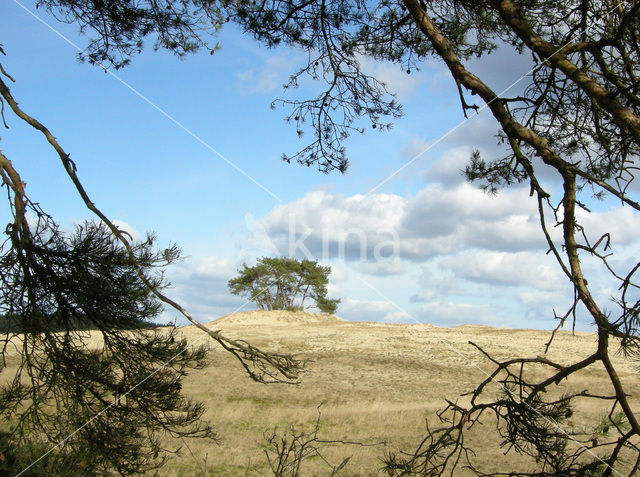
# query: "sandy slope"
375, 381
286, 330
275, 317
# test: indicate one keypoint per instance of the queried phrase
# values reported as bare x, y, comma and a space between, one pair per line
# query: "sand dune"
376, 382
275, 317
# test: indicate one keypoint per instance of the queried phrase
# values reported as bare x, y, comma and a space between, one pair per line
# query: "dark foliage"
121, 26
106, 404
285, 284
73, 406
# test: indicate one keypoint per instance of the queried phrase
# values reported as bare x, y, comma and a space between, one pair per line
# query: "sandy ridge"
276, 317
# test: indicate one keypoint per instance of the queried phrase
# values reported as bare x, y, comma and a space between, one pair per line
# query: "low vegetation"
376, 384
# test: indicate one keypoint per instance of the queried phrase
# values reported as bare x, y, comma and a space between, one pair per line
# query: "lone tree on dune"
577, 120
285, 284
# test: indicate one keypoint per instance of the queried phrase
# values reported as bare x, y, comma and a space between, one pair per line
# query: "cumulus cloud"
125, 227
504, 70
383, 268
415, 147
448, 170
508, 269
133, 233
323, 225
542, 305
258, 242
449, 253
211, 268
393, 76
382, 227
450, 219
422, 297
448, 313
399, 317
370, 310
478, 132
619, 222
200, 285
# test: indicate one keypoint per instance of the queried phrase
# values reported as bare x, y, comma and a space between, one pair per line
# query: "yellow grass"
376, 383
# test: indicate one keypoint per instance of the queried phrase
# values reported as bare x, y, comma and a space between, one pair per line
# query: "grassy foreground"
376, 383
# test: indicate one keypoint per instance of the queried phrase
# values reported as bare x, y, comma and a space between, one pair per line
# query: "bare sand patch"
274, 317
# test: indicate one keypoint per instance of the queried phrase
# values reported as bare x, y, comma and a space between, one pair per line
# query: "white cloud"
478, 132
502, 69
443, 312
448, 170
393, 76
369, 310
270, 76
399, 317
214, 267
422, 296
120, 224
451, 219
621, 223
245, 75
200, 285
509, 269
258, 242
210, 267
450, 254
380, 227
322, 225
416, 147
382, 268
541, 305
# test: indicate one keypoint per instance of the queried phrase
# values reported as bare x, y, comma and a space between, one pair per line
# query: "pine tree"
285, 284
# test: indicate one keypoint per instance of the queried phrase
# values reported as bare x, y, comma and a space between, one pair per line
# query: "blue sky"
424, 246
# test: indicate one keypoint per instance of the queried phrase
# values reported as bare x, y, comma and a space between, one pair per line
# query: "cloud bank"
448, 254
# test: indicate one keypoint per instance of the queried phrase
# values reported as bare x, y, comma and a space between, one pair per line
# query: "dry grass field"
376, 383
